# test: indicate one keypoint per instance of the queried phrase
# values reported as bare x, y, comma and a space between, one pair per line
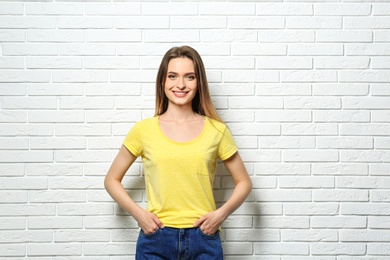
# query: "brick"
25, 22
310, 129
11, 8
363, 182
75, 76
57, 196
366, 49
312, 103
245, 76
112, 9
13, 35
25, 236
100, 22
86, 49
340, 195
366, 22
55, 89
82, 156
306, 182
338, 248
13, 76
381, 36
286, 142
314, 209
315, 49
308, 76
115, 116
380, 209
246, 235
54, 249
54, 9
259, 49
290, 36
282, 169
256, 102
18, 49
56, 116
142, 22
12, 223
13, 250
13, 169
99, 222
364, 76
229, 62
305, 22
344, 142
379, 169
340, 89
11, 116
254, 22
227, 36
81, 236
50, 169
81, 209
283, 195
11, 63
29, 103
53, 63
309, 235
55, 223
361, 129
109, 248
341, 63
380, 63
284, 63
269, 248
242, 248
111, 89
173, 9
382, 143
378, 249
341, 116
283, 89
26, 130
342, 9
25, 156
113, 36
12, 197
340, 222
282, 222
380, 196
18, 210
340, 169
280, 9
18, 183
365, 156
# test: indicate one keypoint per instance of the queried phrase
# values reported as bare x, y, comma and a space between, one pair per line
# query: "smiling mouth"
180, 93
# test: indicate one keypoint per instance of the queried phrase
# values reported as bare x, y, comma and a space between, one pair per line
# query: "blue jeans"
182, 244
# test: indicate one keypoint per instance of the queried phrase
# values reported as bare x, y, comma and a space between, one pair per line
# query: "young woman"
179, 147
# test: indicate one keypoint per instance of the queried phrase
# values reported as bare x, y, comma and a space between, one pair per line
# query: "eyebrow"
188, 73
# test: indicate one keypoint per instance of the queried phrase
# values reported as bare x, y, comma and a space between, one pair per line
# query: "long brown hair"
202, 103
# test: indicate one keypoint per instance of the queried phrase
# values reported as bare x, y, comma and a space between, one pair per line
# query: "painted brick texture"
303, 85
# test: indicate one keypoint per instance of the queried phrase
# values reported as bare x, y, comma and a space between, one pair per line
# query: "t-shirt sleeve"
227, 146
133, 141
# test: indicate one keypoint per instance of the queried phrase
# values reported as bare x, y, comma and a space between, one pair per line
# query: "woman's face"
180, 83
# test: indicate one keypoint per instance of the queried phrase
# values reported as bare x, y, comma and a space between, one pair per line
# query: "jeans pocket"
142, 233
213, 236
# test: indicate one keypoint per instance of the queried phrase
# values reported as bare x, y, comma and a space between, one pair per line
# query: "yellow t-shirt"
179, 176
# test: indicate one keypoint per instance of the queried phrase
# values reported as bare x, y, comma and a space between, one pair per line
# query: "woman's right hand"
149, 222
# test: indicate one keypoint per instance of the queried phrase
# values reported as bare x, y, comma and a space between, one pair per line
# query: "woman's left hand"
210, 222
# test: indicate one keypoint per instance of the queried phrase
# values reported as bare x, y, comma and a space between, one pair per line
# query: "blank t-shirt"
179, 176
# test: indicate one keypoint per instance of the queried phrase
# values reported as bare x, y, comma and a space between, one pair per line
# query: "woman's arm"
124, 159
210, 222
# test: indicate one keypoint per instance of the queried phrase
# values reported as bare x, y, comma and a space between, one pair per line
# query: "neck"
179, 114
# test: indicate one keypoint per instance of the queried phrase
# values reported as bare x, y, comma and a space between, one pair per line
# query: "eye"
171, 76
191, 77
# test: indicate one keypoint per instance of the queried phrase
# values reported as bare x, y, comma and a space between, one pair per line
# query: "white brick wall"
303, 85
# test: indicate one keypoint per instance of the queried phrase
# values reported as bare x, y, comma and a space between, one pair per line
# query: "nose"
181, 83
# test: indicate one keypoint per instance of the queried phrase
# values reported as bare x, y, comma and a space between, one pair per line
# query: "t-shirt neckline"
181, 143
